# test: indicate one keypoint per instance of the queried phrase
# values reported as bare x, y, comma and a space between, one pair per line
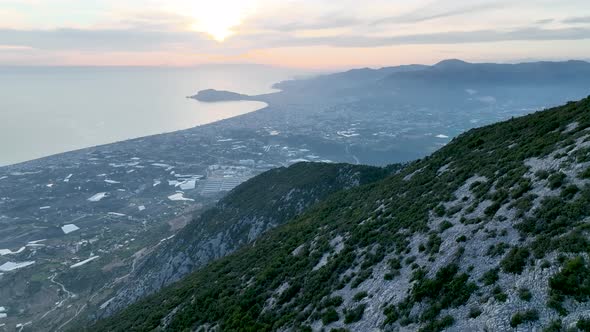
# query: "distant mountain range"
453, 72
448, 79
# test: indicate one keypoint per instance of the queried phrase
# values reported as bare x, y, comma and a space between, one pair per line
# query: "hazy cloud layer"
139, 40
457, 37
429, 13
577, 20
103, 40
70, 28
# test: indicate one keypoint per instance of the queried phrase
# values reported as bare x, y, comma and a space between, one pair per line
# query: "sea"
49, 110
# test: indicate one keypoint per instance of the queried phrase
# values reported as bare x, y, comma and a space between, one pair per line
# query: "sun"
220, 18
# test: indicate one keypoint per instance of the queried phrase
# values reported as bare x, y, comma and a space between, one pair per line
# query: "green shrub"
515, 260
555, 215
583, 324
438, 325
289, 293
455, 209
555, 302
569, 192
523, 204
573, 280
556, 180
525, 294
585, 174
444, 226
479, 189
491, 233
354, 315
362, 276
497, 249
395, 264
523, 187
491, 210
554, 326
523, 317
359, 296
433, 244
573, 242
474, 312
447, 290
542, 174
330, 316
582, 155
334, 301
440, 210
490, 277
499, 294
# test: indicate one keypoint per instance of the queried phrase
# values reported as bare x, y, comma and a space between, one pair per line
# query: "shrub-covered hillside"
262, 203
489, 233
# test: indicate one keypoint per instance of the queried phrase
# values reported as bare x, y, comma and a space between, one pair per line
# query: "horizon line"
343, 68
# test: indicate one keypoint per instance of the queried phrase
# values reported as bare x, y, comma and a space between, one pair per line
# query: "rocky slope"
261, 203
488, 233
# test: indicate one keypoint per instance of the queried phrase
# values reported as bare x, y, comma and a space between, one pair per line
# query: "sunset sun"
220, 19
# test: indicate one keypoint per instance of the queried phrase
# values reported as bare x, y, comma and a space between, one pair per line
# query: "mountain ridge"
260, 204
452, 76
437, 247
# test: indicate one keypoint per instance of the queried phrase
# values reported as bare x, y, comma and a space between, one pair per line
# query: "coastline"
89, 108
34, 162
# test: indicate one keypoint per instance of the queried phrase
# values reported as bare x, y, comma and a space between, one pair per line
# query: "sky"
291, 33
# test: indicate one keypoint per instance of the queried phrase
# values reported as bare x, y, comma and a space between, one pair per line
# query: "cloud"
320, 23
456, 37
103, 40
15, 48
156, 21
134, 40
427, 14
577, 20
544, 21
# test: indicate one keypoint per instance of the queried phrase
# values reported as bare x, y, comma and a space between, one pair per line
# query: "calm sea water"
44, 111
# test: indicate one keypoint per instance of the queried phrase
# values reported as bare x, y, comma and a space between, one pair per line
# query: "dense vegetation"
375, 223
